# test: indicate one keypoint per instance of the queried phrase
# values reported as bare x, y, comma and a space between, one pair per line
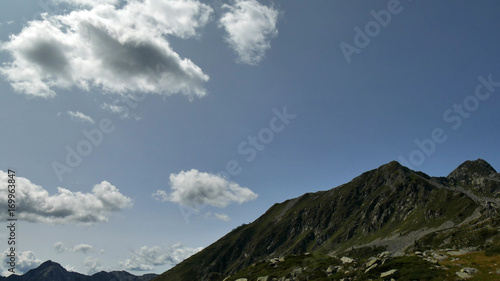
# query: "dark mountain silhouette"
52, 271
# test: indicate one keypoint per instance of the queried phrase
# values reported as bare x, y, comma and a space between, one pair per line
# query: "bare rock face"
476, 176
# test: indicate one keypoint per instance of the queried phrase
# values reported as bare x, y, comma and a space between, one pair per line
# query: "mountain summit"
391, 207
478, 167
477, 177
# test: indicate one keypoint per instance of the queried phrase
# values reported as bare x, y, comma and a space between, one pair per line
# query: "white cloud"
93, 265
249, 26
70, 268
34, 203
194, 188
146, 258
217, 216
222, 217
83, 248
24, 261
119, 49
86, 3
160, 195
80, 116
59, 247
122, 111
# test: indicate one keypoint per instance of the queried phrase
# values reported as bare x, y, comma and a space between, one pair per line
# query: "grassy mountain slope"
391, 205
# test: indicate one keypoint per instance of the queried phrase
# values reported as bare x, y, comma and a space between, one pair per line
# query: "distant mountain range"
52, 271
385, 213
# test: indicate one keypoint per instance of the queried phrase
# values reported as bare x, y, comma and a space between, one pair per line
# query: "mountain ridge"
53, 271
388, 203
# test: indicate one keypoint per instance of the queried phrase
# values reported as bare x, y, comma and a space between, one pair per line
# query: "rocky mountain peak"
48, 264
468, 169
387, 174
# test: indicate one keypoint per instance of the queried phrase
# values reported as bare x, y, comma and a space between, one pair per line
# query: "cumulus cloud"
146, 258
118, 48
193, 188
70, 268
36, 205
59, 247
80, 116
24, 261
249, 28
82, 248
160, 195
92, 265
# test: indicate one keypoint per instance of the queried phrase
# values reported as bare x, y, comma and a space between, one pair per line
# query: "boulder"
463, 275
388, 273
385, 254
372, 261
469, 270
371, 267
263, 278
439, 257
347, 260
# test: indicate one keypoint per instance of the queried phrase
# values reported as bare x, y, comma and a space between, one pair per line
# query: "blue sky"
203, 114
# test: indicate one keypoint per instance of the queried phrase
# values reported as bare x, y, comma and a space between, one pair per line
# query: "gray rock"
439, 257
346, 260
463, 275
385, 254
432, 260
469, 270
388, 273
372, 261
332, 269
371, 267
263, 278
